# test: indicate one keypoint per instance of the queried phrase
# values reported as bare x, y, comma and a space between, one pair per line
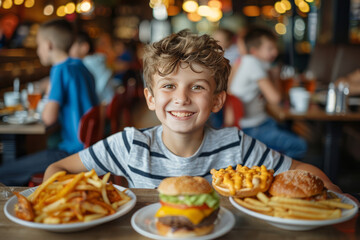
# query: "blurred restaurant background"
317, 39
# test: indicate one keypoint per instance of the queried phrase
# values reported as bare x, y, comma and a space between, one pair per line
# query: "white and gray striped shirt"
142, 157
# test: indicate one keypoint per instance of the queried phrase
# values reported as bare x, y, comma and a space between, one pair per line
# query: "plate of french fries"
297, 214
70, 202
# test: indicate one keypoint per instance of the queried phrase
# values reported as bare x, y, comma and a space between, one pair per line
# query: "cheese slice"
193, 214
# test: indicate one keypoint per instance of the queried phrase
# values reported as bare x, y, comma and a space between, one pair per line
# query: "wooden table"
246, 227
35, 128
333, 125
12, 137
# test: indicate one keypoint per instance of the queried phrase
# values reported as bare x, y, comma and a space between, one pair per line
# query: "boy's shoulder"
143, 133
225, 134
250, 59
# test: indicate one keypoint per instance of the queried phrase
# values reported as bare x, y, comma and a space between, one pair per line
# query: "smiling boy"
186, 78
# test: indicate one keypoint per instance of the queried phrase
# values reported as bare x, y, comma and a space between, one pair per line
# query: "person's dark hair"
164, 56
254, 36
59, 32
229, 35
83, 37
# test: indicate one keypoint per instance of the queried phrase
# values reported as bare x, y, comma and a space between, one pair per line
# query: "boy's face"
79, 50
267, 51
43, 49
183, 100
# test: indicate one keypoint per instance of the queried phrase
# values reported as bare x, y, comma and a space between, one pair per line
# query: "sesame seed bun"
296, 184
184, 185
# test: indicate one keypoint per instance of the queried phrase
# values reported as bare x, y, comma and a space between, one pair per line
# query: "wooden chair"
233, 111
92, 124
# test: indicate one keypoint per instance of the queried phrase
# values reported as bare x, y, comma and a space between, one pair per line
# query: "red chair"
118, 112
91, 130
92, 124
233, 111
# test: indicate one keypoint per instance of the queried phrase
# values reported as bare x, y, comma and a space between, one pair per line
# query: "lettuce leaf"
211, 199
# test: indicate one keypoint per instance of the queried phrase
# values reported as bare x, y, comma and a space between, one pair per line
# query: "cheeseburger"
298, 184
189, 207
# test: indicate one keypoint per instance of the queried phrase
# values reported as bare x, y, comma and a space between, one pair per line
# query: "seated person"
252, 84
186, 79
72, 94
96, 63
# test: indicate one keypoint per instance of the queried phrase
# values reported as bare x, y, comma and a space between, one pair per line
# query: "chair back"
233, 111
322, 61
92, 124
118, 112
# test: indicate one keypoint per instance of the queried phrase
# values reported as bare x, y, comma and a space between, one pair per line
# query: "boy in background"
253, 86
186, 79
83, 48
72, 94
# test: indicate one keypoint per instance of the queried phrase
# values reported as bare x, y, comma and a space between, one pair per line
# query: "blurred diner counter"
246, 227
333, 130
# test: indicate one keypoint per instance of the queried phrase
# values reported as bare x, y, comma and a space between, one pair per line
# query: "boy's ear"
150, 100
219, 100
49, 45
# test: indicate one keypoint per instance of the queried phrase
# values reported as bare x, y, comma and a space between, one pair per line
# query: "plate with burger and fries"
292, 200
70, 202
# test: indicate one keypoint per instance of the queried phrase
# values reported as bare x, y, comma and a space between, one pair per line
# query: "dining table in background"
333, 129
12, 137
246, 227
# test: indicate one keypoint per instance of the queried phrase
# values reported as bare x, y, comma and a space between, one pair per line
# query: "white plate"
143, 222
15, 119
71, 227
301, 225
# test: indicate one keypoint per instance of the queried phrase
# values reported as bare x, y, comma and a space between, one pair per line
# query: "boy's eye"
169, 86
197, 87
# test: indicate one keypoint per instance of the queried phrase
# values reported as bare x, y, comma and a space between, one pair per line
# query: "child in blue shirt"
72, 94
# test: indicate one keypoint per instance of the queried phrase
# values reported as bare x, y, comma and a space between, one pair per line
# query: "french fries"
294, 208
69, 198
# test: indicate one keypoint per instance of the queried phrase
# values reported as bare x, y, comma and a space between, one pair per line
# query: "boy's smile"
184, 99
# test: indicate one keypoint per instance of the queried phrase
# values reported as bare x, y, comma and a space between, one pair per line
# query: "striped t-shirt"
142, 157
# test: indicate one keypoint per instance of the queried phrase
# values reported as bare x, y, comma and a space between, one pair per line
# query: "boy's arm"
233, 70
316, 171
269, 91
50, 113
71, 164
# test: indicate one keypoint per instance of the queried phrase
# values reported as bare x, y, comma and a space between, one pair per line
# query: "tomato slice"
184, 206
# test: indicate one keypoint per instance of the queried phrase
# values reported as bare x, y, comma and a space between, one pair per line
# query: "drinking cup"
299, 99
11, 99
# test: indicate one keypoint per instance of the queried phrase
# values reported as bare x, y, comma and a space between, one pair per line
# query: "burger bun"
296, 184
168, 231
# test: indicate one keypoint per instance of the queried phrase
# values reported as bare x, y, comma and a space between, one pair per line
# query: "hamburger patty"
183, 222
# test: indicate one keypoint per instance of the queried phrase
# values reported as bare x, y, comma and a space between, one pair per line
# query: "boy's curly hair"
164, 57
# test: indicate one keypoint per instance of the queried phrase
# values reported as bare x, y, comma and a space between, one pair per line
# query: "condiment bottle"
331, 99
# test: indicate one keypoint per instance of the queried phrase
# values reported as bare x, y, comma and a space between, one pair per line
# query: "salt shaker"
341, 98
331, 99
